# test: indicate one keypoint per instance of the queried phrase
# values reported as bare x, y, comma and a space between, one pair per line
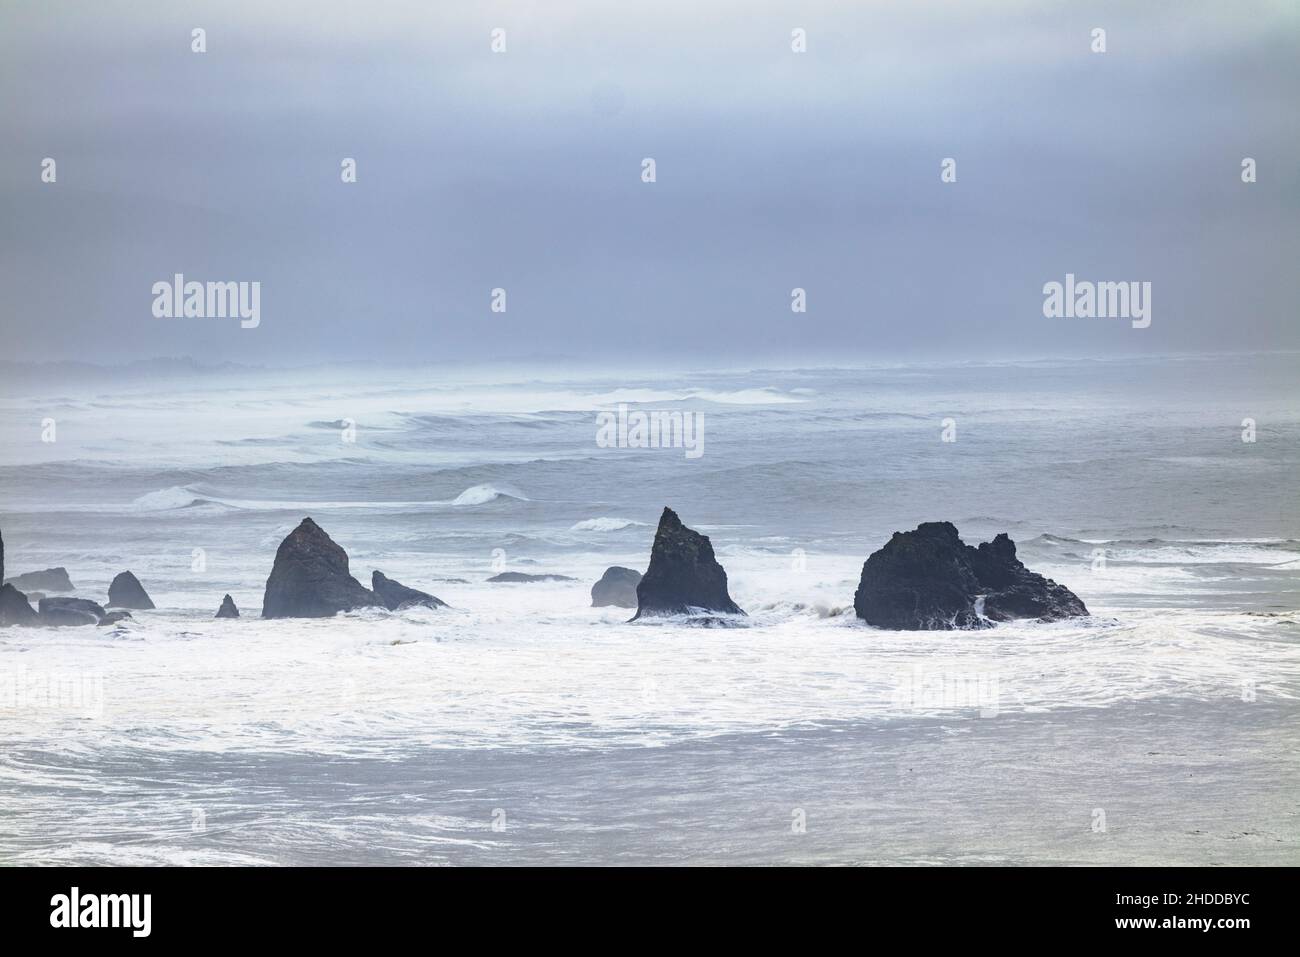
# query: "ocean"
522, 726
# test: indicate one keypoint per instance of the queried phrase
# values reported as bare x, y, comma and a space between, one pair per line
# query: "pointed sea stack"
227, 609
683, 577
930, 580
395, 595
127, 592
616, 587
310, 578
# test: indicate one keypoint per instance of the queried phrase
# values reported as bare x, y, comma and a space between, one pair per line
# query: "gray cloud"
522, 170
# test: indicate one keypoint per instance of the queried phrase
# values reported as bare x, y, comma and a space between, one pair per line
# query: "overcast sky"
522, 170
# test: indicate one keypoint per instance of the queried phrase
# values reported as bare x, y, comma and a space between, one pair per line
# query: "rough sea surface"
523, 726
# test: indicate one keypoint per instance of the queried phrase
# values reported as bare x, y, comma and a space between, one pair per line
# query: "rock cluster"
929, 579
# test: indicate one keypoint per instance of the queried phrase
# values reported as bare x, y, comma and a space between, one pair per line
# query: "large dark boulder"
14, 609
930, 580
683, 577
395, 595
616, 587
310, 578
60, 612
227, 609
51, 579
127, 592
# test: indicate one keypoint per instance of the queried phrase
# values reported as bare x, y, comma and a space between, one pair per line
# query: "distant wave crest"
605, 524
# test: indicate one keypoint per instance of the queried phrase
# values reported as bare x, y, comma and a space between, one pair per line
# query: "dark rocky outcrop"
127, 592
60, 612
683, 577
227, 609
929, 579
616, 587
51, 579
1013, 591
310, 578
113, 617
14, 609
523, 577
395, 595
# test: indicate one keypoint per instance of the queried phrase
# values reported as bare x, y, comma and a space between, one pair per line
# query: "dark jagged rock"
929, 579
59, 612
616, 587
14, 609
127, 592
50, 579
395, 595
227, 609
523, 577
683, 576
113, 617
310, 578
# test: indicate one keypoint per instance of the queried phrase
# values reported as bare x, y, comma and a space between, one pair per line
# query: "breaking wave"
606, 524
482, 494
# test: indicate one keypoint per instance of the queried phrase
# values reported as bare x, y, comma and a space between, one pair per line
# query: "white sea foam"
543, 669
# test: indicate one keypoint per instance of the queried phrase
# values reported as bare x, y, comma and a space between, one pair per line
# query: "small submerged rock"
524, 577
684, 577
113, 617
127, 592
928, 579
227, 609
395, 595
616, 587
